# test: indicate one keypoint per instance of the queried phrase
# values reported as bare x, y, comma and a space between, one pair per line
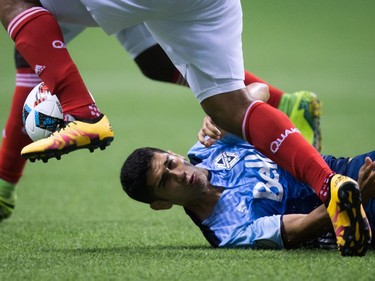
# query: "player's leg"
303, 108
148, 55
359, 168
14, 136
267, 128
273, 134
156, 65
348, 166
39, 40
352, 167
277, 138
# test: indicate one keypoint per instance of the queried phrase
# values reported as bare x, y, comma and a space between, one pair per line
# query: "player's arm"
299, 228
277, 232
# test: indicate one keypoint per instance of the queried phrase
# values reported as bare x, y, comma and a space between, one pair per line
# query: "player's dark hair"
133, 175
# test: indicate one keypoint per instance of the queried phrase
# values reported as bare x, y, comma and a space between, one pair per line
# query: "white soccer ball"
42, 113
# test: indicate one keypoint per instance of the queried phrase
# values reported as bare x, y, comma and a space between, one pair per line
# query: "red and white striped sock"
39, 40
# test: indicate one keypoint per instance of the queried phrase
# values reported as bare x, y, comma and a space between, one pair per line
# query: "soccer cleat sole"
48, 154
316, 111
304, 110
312, 111
328, 241
357, 236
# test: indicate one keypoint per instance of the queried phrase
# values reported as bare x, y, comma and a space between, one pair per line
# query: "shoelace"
62, 126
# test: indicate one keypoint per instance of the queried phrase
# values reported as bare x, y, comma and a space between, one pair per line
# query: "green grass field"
73, 221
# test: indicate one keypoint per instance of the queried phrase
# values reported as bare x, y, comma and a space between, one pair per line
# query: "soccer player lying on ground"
154, 64
190, 32
237, 196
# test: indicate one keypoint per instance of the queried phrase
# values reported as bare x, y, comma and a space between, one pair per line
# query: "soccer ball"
42, 113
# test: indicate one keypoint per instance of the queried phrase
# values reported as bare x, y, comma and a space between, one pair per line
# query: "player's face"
175, 180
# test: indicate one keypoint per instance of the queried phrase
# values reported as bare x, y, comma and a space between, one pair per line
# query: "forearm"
299, 228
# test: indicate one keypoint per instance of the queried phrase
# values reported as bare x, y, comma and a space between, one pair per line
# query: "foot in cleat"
304, 110
6, 208
73, 135
344, 206
7, 199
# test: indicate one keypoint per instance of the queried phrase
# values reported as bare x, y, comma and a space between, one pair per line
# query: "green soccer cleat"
344, 206
7, 199
304, 109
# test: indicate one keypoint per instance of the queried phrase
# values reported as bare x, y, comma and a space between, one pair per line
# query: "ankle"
324, 193
85, 112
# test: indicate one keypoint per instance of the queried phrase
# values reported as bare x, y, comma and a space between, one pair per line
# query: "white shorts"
134, 39
201, 37
70, 31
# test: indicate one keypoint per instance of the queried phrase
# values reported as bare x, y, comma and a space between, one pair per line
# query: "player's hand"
366, 179
257, 91
210, 130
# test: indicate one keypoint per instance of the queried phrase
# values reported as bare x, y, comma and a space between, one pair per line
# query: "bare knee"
11, 8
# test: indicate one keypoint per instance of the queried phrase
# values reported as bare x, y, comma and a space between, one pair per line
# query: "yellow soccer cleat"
72, 136
344, 206
304, 110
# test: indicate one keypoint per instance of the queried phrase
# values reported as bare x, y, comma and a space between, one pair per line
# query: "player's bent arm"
263, 233
299, 228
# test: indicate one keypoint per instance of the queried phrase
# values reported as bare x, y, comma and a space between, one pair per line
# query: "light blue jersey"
257, 193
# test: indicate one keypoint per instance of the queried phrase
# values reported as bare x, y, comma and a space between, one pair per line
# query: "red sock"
14, 136
273, 134
275, 93
39, 40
